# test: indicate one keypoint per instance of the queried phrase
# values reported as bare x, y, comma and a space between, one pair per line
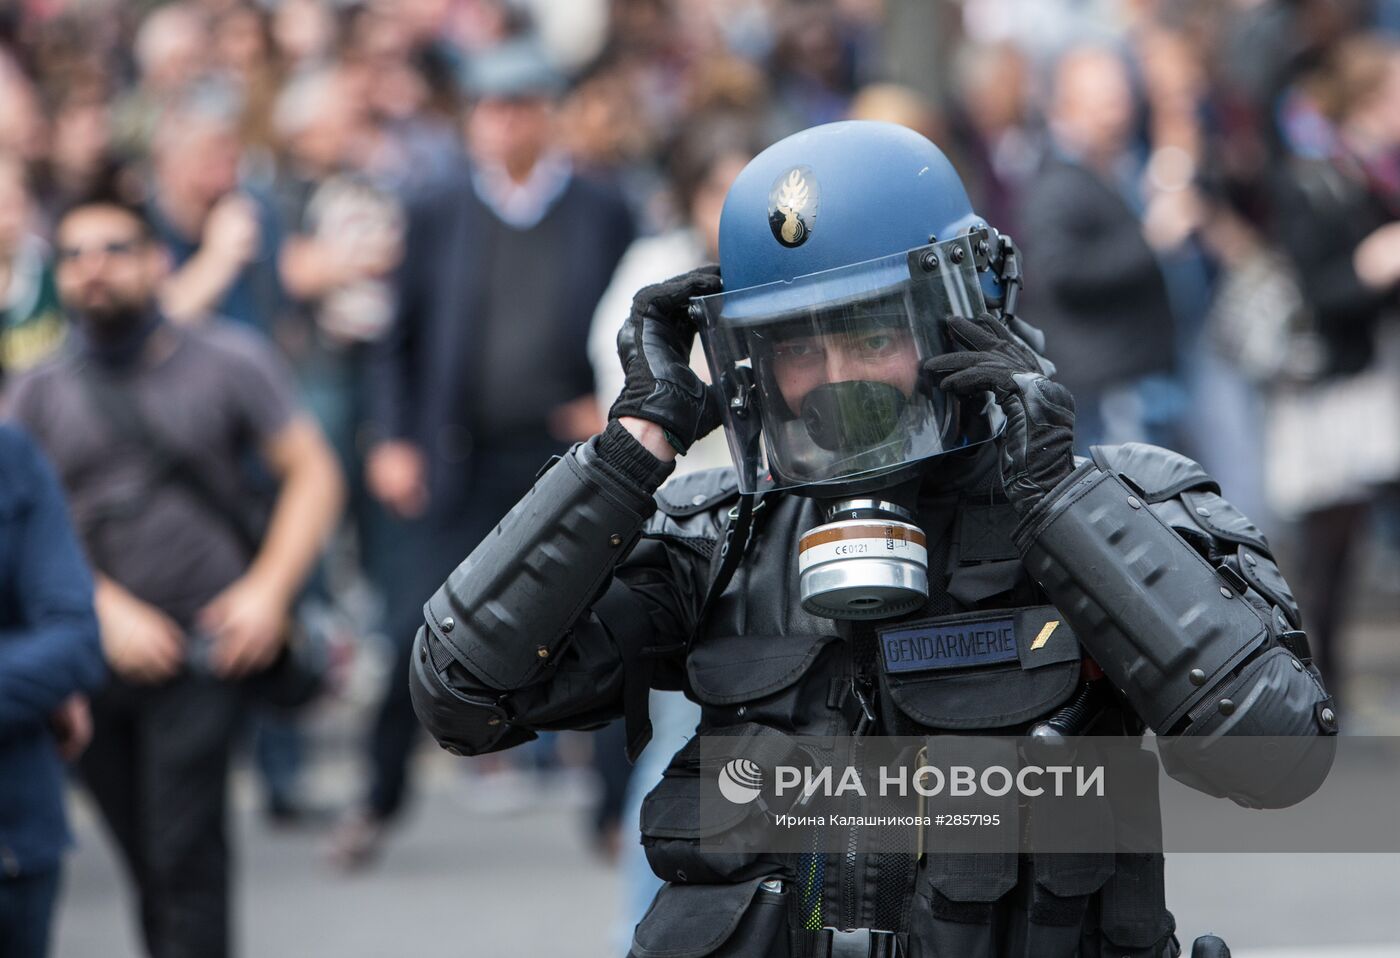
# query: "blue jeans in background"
26, 914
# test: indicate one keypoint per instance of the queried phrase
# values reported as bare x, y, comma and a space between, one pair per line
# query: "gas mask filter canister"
867, 561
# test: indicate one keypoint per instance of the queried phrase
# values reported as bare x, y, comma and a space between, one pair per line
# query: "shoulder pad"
1159, 474
697, 492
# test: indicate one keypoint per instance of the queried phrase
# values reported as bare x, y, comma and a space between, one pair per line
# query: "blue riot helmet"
843, 251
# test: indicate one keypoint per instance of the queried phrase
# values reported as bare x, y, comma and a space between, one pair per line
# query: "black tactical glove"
1038, 444
654, 345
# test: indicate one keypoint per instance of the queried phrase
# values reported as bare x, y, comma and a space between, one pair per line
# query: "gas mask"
825, 395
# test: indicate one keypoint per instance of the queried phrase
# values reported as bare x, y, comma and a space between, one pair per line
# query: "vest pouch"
1134, 916
956, 898
966, 871
690, 840
982, 670
1133, 905
755, 678
1066, 881
1058, 901
744, 920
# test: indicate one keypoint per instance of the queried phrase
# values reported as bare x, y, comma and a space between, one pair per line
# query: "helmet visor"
822, 377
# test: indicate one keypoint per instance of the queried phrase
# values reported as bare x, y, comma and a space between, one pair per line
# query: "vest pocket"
1059, 901
744, 920
980, 670
756, 679
1133, 913
1064, 882
1134, 917
956, 894
983, 698
688, 840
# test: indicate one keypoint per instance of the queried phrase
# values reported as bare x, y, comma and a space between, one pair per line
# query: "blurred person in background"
646, 50
151, 425
80, 160
608, 136
305, 33
410, 93
703, 162
22, 130
32, 325
998, 144
1256, 338
1335, 440
171, 48
1209, 400
1101, 296
814, 65
50, 658
222, 238
245, 56
1266, 46
344, 238
893, 103
344, 235
485, 369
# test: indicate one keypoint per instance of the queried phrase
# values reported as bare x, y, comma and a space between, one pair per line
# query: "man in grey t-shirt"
153, 429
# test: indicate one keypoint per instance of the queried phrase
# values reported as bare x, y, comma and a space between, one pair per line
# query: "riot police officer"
875, 386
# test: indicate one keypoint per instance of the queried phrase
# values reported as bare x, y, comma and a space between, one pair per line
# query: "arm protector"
1176, 596
536, 605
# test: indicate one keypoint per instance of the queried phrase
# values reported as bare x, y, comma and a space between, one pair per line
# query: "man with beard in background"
150, 426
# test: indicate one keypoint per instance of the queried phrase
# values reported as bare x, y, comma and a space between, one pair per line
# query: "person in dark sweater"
484, 373
49, 657
1100, 297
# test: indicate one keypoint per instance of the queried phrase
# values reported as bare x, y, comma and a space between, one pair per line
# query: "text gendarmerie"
949, 646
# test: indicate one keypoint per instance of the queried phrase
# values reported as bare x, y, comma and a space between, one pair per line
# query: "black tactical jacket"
566, 613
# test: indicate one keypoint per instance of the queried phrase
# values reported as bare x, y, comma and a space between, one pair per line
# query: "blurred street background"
1207, 194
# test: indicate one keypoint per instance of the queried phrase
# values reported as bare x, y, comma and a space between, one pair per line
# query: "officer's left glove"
654, 346
1038, 443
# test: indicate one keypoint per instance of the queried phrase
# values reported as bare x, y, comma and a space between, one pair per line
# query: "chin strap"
1008, 270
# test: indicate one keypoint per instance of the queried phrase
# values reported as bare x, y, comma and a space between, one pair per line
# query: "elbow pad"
465, 720
1197, 651
507, 610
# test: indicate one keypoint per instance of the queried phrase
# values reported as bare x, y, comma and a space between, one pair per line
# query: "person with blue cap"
512, 249
905, 548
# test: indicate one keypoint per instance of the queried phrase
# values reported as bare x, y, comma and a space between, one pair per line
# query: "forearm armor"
507, 615
1200, 637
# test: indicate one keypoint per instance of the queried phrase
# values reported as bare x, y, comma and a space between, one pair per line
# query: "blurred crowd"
431, 215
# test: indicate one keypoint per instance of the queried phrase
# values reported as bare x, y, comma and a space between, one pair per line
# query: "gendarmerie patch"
1031, 636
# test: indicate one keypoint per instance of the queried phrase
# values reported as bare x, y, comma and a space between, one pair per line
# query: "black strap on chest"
638, 662
737, 535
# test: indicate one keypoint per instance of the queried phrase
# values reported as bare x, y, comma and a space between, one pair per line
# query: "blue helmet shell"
836, 195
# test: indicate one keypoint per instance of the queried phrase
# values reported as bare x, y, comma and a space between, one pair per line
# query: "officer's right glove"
654, 345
